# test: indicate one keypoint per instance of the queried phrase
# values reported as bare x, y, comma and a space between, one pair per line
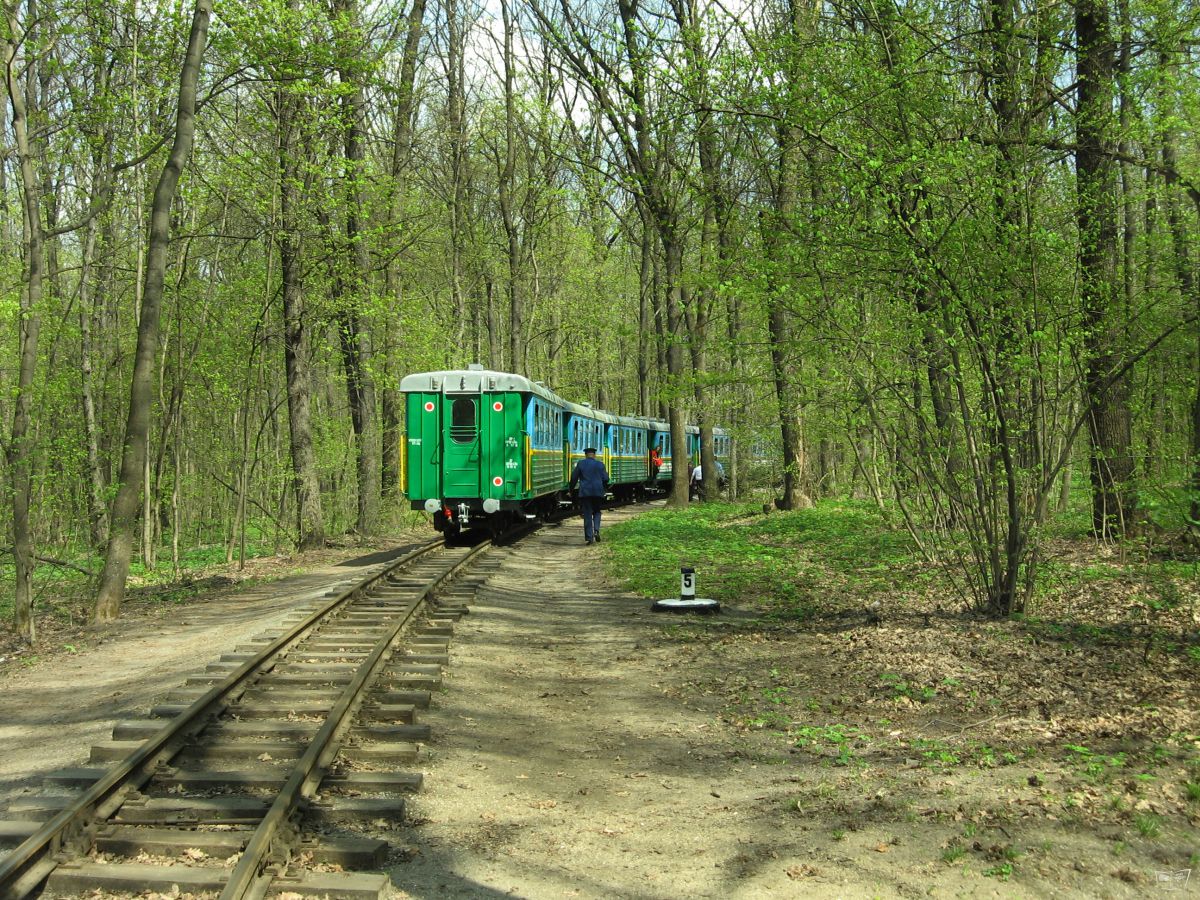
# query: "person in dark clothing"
590, 479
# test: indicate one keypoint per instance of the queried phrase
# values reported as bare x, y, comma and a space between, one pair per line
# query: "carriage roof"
476, 379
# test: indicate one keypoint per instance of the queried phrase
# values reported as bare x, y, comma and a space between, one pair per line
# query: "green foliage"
902, 688
839, 738
930, 250
1003, 871
953, 852
1148, 825
1094, 767
935, 752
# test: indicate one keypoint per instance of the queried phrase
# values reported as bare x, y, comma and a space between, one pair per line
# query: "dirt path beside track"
574, 756
583, 746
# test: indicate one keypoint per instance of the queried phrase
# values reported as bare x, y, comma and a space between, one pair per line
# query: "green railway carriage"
723, 450
470, 445
660, 437
628, 454
492, 447
586, 427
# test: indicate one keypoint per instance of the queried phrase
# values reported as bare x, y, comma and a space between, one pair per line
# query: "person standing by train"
590, 479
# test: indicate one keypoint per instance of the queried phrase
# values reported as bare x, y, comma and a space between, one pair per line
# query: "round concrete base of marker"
691, 605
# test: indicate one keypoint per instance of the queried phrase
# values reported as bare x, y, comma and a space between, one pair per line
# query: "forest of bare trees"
939, 256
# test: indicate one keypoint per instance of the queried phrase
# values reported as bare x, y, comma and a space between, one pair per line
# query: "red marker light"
497, 481
429, 406
497, 406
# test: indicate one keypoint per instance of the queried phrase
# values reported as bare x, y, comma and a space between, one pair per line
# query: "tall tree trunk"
310, 521
1106, 386
701, 302
456, 150
495, 347
784, 359
1185, 279
680, 463
88, 302
645, 360
391, 409
354, 335
20, 459
791, 423
516, 306
137, 427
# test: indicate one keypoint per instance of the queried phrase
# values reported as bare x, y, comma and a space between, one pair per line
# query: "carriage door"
424, 463
503, 445
460, 440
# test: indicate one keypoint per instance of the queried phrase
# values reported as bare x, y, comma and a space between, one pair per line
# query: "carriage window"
462, 420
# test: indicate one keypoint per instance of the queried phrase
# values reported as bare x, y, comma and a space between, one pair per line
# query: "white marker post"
688, 601
687, 583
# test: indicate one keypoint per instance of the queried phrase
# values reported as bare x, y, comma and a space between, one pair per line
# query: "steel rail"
32, 861
245, 878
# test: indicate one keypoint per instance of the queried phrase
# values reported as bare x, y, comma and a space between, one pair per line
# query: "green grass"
784, 564
1003, 871
953, 852
1148, 825
790, 565
60, 589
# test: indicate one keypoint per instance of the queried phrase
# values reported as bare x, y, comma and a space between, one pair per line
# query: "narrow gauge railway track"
258, 775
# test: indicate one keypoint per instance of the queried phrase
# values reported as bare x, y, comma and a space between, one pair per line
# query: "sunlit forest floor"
846, 727
1080, 718
64, 593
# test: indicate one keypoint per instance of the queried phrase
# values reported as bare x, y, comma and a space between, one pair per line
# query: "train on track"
485, 448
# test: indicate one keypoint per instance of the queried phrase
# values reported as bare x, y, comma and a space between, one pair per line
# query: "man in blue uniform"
590, 478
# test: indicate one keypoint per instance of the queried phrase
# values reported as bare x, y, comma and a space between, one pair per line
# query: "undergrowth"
785, 564
842, 555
